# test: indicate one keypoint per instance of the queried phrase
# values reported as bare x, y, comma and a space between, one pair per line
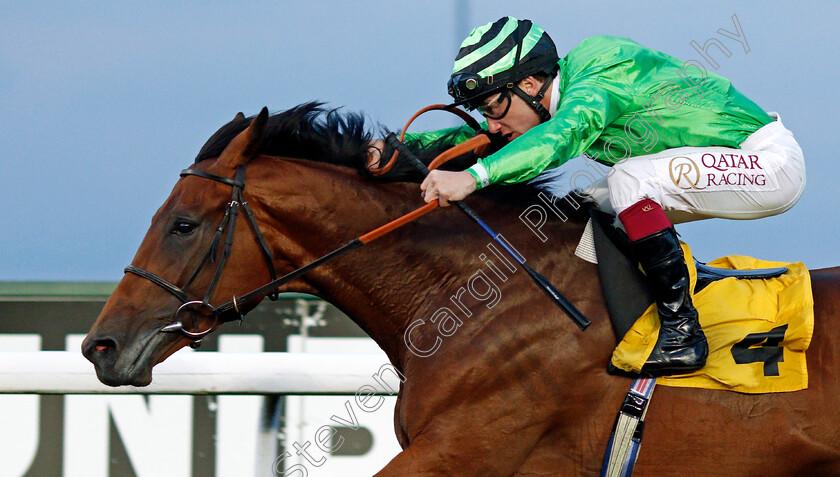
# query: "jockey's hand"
446, 186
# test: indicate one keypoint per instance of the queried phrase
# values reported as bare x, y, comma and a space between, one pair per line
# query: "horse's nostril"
100, 349
104, 344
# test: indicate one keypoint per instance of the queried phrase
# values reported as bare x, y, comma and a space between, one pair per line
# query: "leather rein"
232, 310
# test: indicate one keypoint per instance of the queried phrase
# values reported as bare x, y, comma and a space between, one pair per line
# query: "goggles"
496, 106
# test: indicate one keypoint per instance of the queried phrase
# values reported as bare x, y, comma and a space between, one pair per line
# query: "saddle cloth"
758, 330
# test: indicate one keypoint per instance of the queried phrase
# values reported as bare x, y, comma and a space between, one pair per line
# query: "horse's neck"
384, 285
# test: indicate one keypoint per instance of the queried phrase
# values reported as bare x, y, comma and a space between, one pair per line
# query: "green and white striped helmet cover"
487, 58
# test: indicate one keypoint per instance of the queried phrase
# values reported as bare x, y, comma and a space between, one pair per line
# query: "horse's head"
162, 305
310, 189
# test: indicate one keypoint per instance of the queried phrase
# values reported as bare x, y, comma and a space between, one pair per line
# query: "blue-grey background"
103, 103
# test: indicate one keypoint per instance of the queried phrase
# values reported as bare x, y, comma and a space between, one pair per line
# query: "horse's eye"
182, 227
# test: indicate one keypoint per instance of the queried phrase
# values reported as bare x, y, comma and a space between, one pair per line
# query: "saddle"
625, 288
758, 324
748, 358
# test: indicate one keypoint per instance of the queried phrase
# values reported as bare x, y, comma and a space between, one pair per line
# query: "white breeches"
765, 177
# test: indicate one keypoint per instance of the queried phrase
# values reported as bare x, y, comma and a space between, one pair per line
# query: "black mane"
311, 131
307, 131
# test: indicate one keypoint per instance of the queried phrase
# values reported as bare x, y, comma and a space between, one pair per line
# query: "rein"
232, 310
471, 122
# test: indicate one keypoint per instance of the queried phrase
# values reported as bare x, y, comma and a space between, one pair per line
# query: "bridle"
233, 309
229, 311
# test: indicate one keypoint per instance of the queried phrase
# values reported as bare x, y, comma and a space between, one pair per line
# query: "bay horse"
497, 381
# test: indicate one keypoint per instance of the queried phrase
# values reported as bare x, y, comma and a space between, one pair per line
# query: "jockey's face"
520, 116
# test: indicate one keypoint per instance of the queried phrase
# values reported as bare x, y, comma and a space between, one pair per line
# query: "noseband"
230, 311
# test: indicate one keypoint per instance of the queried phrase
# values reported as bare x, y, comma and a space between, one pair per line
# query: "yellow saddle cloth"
758, 330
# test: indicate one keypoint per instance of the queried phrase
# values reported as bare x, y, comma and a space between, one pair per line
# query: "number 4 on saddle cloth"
758, 316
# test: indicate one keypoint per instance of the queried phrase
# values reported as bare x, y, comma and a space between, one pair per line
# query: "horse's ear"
244, 146
239, 116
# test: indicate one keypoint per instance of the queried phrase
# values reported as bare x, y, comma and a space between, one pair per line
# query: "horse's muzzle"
112, 363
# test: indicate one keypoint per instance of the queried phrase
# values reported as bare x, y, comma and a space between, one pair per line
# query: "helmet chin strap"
533, 101
536, 101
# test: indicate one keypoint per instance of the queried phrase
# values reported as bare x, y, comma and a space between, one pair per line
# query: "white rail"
65, 372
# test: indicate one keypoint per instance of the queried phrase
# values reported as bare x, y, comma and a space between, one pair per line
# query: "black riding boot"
681, 346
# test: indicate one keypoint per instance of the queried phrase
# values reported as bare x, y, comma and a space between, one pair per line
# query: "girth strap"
626, 437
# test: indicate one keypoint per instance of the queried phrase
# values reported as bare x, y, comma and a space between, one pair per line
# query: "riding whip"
567, 306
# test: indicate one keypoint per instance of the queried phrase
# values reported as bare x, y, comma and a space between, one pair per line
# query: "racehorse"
497, 382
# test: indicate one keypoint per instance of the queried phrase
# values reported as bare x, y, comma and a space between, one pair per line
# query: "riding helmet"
500, 54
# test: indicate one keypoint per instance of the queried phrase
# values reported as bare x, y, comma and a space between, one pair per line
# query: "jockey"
682, 143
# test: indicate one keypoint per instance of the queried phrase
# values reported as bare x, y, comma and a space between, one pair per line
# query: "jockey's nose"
493, 126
